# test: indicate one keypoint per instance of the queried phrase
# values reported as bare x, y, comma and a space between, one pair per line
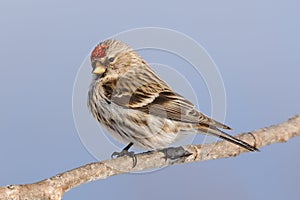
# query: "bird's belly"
144, 130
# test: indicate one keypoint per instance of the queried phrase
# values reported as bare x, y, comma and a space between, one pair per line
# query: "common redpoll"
137, 107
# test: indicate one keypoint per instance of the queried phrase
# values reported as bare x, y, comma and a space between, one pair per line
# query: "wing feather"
143, 90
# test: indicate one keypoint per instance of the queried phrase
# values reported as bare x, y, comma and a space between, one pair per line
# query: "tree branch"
53, 188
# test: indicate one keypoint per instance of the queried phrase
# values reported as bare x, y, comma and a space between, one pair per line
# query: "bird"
137, 107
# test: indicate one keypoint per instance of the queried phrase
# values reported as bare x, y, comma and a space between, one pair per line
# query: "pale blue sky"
255, 45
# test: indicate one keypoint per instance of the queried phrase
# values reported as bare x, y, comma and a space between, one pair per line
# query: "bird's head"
110, 55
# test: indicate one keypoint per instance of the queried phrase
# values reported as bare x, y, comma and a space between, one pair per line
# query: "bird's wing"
155, 97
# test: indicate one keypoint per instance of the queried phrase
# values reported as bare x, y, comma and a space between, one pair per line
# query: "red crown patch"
99, 51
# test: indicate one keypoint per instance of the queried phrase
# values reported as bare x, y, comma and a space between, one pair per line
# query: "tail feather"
218, 124
216, 132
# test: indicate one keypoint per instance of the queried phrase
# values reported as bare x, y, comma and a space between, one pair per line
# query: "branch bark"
53, 188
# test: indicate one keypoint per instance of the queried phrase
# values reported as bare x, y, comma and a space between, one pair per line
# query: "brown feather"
149, 94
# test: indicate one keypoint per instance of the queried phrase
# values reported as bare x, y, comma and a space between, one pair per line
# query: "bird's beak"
98, 69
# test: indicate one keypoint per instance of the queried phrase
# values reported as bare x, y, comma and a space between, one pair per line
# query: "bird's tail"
216, 132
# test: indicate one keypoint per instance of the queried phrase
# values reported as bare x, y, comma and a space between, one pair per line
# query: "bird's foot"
174, 153
125, 152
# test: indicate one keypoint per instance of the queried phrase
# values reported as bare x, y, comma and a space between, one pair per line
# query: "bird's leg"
125, 152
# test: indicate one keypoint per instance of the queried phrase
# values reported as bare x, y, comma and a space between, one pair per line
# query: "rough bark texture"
53, 188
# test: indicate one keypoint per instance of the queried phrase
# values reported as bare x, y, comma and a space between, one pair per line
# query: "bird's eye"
111, 59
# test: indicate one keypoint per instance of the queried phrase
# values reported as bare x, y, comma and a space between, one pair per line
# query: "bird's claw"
174, 153
125, 153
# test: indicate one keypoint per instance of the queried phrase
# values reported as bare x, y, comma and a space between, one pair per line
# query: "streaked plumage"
135, 105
